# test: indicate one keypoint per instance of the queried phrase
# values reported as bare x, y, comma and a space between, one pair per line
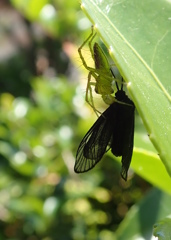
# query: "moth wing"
94, 144
128, 145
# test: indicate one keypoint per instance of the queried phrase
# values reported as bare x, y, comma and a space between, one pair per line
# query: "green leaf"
148, 165
138, 35
139, 221
162, 229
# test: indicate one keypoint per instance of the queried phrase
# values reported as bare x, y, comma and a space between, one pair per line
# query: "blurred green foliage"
43, 118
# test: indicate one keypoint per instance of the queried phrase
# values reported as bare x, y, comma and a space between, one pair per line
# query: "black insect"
114, 130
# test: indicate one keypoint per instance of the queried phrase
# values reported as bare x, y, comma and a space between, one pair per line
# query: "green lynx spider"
104, 78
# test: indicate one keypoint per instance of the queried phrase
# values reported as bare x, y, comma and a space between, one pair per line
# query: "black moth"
114, 130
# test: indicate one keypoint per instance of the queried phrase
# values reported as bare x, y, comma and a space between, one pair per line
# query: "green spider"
104, 78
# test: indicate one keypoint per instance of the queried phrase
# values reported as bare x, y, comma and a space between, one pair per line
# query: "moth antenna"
112, 73
117, 85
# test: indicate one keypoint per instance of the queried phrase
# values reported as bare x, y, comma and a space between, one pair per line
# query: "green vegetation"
43, 116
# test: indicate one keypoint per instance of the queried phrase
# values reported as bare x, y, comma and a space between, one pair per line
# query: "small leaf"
162, 229
139, 221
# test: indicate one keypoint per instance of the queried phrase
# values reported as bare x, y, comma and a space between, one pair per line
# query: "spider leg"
89, 94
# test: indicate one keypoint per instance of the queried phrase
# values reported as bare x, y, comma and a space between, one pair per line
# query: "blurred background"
43, 118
